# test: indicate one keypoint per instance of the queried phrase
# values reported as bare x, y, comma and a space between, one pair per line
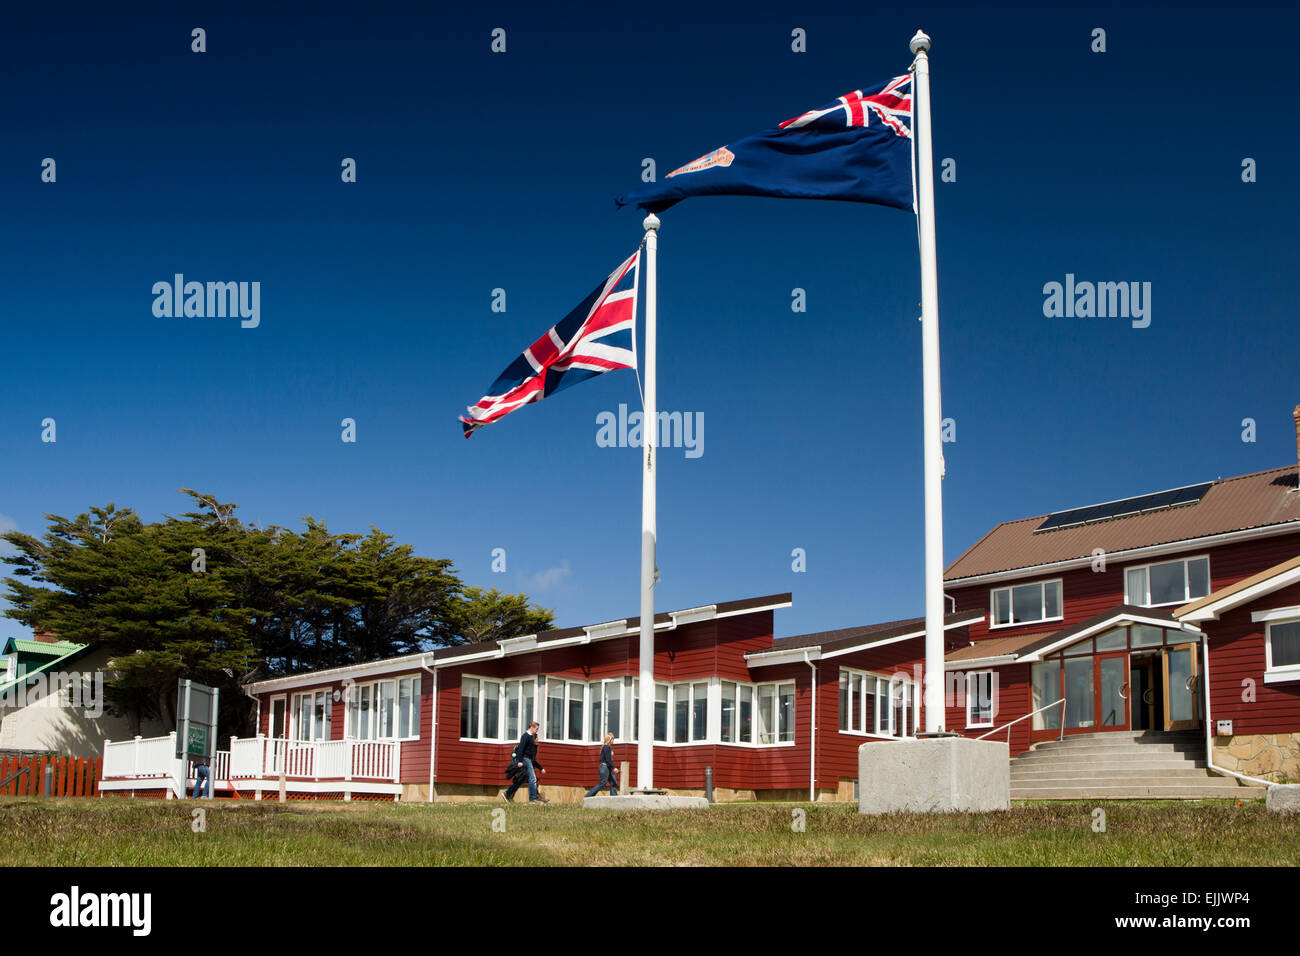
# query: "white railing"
257, 758
1007, 726
266, 758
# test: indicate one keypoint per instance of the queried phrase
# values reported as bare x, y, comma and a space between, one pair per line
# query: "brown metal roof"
849, 636
1216, 596
1257, 500
995, 647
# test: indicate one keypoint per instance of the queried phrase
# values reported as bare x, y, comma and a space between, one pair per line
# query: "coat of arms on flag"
596, 337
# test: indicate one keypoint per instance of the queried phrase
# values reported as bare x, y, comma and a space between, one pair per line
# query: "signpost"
196, 721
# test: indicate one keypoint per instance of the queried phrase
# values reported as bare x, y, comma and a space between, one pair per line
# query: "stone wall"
1273, 757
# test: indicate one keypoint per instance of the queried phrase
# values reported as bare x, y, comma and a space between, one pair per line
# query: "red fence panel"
73, 776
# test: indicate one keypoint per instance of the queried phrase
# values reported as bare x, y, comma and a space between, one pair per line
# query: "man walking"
527, 762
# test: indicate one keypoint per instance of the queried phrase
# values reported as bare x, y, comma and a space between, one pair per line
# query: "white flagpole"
645, 747
932, 408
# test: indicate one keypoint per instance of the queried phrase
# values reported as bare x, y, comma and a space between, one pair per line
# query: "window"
605, 714
1026, 603
566, 707
386, 710
979, 699
1170, 582
490, 709
1282, 646
729, 723
311, 715
681, 713
876, 705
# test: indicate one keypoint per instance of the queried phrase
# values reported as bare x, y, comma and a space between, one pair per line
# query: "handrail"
1007, 726
25, 768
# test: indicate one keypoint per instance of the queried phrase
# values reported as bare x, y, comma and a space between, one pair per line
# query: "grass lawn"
124, 832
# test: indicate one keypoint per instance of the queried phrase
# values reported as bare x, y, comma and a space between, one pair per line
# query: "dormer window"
1026, 603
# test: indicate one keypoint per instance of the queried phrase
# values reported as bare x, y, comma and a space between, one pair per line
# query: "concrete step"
1132, 736
1137, 792
1100, 763
1118, 750
1176, 774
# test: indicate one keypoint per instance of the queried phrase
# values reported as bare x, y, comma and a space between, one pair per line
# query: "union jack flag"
594, 338
892, 105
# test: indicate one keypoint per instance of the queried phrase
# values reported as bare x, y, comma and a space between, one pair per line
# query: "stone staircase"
1123, 765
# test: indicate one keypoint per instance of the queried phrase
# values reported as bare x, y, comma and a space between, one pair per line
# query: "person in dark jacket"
606, 769
526, 764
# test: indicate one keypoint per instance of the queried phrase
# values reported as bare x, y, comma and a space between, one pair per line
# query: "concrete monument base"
1283, 798
644, 801
934, 775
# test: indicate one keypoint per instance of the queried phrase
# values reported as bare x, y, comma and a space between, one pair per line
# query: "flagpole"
649, 442
932, 407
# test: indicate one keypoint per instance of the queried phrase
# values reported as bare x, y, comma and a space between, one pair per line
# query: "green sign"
197, 743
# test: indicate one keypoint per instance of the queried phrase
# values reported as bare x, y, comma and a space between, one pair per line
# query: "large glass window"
554, 709
729, 727
1026, 603
1046, 679
681, 713
390, 709
785, 713
469, 707
878, 705
979, 699
1169, 582
1079, 693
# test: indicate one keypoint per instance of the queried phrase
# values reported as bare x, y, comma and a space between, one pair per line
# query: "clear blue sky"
479, 171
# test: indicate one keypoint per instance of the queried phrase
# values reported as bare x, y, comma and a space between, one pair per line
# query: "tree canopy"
203, 595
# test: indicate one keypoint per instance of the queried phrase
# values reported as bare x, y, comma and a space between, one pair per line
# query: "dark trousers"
606, 778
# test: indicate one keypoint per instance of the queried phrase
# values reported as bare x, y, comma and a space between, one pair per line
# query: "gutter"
812, 741
433, 727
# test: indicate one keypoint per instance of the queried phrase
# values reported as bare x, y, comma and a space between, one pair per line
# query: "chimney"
1295, 416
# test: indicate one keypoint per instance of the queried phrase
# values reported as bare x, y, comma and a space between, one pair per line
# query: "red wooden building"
1114, 617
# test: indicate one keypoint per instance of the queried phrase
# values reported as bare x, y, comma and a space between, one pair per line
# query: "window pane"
699, 711
555, 709
899, 694
529, 712
1285, 639
513, 730
613, 708
387, 693
869, 723
636, 709
1047, 690
661, 713
491, 709
321, 731
729, 710
415, 707
1135, 585
468, 707
404, 707
681, 713
1027, 603
596, 717
1052, 598
785, 712
1002, 606
1144, 635
844, 702
354, 712
1168, 583
1113, 640
1198, 578
855, 703
1078, 693
1075, 650
746, 714
766, 714
575, 710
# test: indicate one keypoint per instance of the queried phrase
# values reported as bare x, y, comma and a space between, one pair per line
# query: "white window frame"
888, 689
270, 720
1277, 674
1011, 604
973, 695
296, 713
1146, 595
503, 736
601, 684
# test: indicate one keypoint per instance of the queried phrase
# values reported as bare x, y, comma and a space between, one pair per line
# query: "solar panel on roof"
1125, 507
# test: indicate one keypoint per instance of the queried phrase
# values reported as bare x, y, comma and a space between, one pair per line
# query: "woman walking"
606, 770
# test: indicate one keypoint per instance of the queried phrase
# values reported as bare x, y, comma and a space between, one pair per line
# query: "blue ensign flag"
857, 148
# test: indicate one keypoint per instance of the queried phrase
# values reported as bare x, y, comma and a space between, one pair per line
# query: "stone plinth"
934, 775
647, 801
1283, 799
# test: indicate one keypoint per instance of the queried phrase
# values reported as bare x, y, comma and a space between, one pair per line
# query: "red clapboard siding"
1237, 688
1085, 592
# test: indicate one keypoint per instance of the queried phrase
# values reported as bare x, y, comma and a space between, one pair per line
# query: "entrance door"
277, 727
1112, 683
1182, 698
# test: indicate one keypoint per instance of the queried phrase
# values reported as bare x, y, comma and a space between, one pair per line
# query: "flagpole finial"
920, 43
651, 222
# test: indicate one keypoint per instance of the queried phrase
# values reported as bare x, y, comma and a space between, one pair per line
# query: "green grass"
123, 832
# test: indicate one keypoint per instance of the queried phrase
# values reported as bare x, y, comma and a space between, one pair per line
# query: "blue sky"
478, 171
